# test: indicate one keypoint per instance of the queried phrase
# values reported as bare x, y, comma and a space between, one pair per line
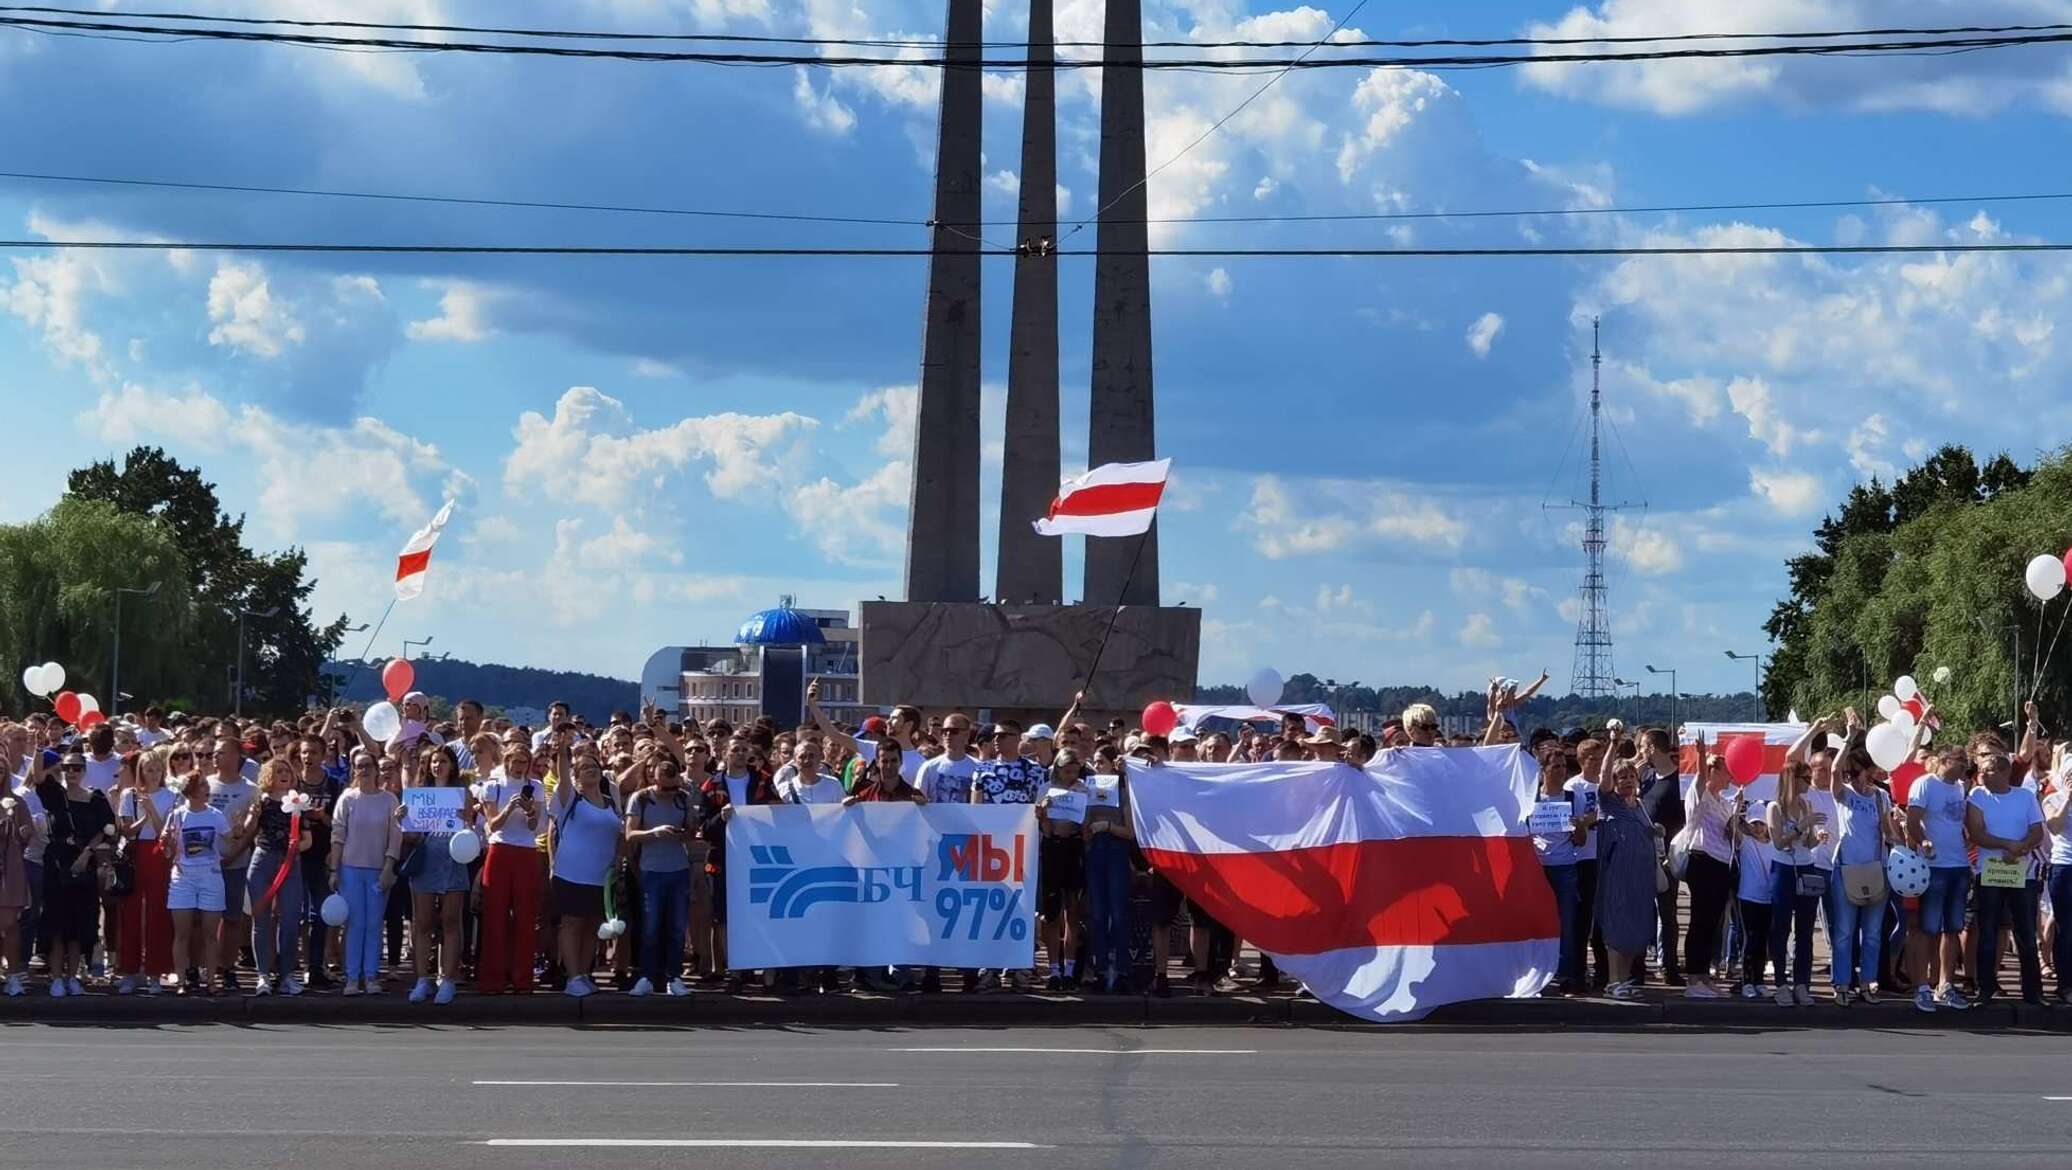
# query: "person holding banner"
2005, 825
275, 880
1557, 834
720, 792
883, 782
438, 883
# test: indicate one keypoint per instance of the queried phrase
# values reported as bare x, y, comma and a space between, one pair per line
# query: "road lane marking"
1101, 1051
747, 1143
699, 1084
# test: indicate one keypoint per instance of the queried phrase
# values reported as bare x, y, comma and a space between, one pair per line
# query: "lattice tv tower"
1591, 676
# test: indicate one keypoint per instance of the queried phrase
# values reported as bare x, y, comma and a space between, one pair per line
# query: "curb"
704, 1009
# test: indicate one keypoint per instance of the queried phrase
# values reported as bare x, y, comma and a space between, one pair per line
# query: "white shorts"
202, 891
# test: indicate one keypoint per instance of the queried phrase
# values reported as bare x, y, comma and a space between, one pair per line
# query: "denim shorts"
1942, 906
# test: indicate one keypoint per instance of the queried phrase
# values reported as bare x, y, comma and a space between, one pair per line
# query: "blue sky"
646, 450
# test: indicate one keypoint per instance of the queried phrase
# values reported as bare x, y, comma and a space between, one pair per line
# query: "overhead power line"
927, 43
1016, 64
896, 221
667, 250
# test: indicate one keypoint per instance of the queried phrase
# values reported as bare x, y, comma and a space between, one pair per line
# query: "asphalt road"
1043, 1098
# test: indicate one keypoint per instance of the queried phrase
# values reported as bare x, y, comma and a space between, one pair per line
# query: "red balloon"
1744, 755
1903, 778
1160, 718
1916, 706
2068, 563
396, 678
67, 705
92, 719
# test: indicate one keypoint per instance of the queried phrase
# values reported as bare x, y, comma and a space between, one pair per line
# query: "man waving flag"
1114, 499
416, 556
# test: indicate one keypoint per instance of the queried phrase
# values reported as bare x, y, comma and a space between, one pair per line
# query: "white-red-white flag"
1387, 891
416, 556
1114, 499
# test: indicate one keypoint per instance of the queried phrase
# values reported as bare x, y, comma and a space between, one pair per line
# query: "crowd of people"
195, 854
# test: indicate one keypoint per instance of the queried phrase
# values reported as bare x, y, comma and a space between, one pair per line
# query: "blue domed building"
776, 651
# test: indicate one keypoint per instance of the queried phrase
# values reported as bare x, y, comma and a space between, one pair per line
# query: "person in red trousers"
513, 814
144, 949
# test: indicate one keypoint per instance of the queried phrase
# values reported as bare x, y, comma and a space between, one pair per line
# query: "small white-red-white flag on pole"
1114, 499
416, 556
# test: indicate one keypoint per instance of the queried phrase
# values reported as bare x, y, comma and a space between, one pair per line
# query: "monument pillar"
943, 523
1031, 568
1120, 422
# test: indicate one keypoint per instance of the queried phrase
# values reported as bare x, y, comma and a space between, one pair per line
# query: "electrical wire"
929, 43
665, 250
1015, 64
893, 221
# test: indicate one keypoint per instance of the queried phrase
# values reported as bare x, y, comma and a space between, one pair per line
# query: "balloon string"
281, 875
2053, 649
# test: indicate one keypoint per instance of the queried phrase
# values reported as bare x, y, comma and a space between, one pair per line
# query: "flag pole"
1128, 579
361, 663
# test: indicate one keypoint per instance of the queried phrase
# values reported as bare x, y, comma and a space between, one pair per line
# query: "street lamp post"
409, 642
1633, 712
115, 668
1674, 696
237, 698
1758, 660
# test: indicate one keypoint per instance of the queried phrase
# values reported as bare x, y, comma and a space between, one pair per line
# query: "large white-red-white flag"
416, 556
1388, 891
1114, 499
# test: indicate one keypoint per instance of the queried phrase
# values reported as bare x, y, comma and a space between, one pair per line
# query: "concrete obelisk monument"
1025, 656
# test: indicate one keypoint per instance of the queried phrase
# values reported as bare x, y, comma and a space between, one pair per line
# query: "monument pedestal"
1023, 658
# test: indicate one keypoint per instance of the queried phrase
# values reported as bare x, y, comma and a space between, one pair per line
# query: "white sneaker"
447, 991
1701, 991
421, 992
643, 988
291, 985
262, 986
579, 987
128, 985
14, 985
352, 987
72, 986
57, 987
676, 987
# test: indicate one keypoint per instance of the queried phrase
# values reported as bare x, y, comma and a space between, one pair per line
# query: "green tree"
58, 579
285, 651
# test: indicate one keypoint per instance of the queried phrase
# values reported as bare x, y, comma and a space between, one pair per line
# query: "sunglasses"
182, 756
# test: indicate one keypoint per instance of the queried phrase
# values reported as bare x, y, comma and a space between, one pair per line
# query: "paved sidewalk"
1657, 1010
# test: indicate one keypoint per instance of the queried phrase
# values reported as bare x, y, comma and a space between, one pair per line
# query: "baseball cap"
1040, 731
874, 726
1182, 735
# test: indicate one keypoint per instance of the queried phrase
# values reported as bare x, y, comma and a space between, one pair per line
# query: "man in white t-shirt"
230, 793
152, 731
1935, 829
902, 728
2005, 824
946, 779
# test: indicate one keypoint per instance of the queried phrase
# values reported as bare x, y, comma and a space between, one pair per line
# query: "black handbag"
412, 865
119, 877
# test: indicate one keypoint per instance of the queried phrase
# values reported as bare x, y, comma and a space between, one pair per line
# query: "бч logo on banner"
774, 880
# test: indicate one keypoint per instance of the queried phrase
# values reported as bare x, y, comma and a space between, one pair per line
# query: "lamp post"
237, 699
1758, 660
409, 642
115, 668
1673, 697
1632, 712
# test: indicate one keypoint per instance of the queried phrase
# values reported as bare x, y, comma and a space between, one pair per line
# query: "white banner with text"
941, 885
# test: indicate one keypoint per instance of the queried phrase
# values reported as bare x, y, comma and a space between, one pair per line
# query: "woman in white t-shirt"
1557, 854
145, 931
197, 837
1797, 831
2057, 821
1706, 842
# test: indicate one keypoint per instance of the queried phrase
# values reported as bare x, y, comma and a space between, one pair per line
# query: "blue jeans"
1568, 899
1791, 918
665, 915
1942, 906
277, 927
1855, 936
1108, 903
364, 903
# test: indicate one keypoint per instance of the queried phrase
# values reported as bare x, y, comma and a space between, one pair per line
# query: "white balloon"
334, 910
1906, 871
32, 680
1927, 736
53, 678
1265, 687
2045, 577
1905, 687
382, 720
465, 847
611, 928
1887, 744
88, 703
1889, 707
1904, 719
1942, 675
